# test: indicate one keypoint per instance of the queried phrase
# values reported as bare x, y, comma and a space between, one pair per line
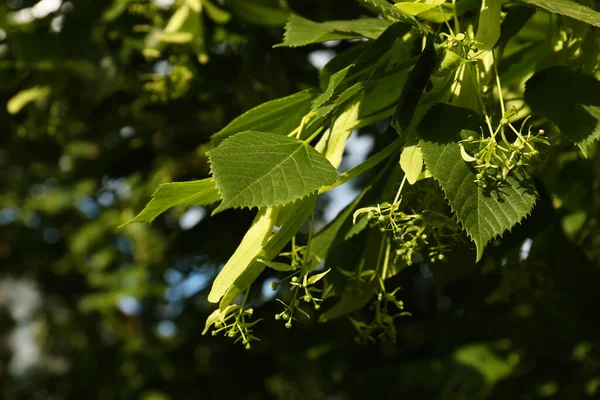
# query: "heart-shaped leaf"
256, 169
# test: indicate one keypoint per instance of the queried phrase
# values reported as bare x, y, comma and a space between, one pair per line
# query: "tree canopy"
286, 199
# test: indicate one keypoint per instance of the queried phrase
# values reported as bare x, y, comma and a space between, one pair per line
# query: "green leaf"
290, 219
568, 8
24, 97
334, 82
277, 116
483, 215
255, 169
301, 31
570, 99
253, 242
260, 12
488, 28
411, 162
412, 8
194, 193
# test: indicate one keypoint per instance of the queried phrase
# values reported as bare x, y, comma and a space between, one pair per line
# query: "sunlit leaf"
484, 215
256, 169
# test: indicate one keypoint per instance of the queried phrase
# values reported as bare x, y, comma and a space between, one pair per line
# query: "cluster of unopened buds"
232, 322
412, 233
303, 292
460, 40
494, 161
382, 326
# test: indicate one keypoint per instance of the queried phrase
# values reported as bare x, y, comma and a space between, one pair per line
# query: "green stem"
367, 164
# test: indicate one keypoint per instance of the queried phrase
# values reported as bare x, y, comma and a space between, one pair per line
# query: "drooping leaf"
256, 169
570, 99
194, 193
334, 81
411, 161
253, 242
301, 31
277, 116
483, 214
290, 219
412, 8
568, 8
488, 29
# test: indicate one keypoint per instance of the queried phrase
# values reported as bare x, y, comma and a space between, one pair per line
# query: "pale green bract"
411, 162
418, 6
253, 242
256, 169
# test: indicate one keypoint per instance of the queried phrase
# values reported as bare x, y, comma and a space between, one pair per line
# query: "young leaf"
568, 8
194, 193
256, 169
488, 29
334, 82
411, 162
301, 31
277, 116
253, 242
570, 99
484, 215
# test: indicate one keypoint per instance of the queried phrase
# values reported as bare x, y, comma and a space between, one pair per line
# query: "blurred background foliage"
105, 100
